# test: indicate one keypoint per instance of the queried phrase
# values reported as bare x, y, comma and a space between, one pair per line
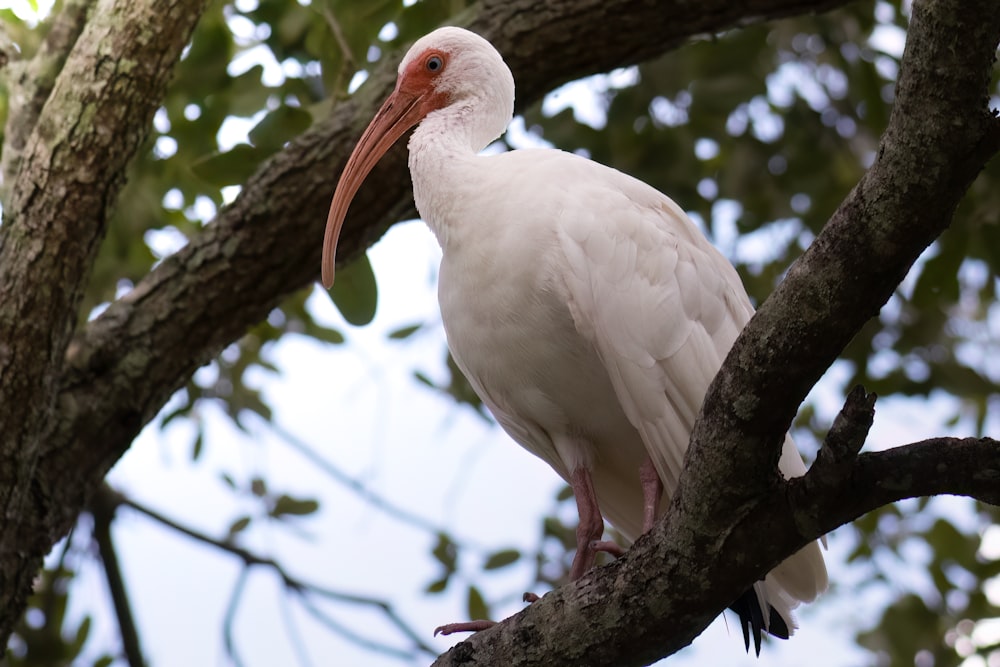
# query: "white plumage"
586, 309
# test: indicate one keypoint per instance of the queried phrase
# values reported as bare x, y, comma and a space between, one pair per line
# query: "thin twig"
102, 509
349, 634
386, 608
348, 67
338, 35
294, 635
292, 583
229, 620
50, 593
375, 500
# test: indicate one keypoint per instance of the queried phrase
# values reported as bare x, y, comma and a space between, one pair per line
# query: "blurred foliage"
758, 132
44, 637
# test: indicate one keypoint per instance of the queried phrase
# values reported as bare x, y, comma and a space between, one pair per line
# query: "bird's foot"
591, 525
608, 547
466, 626
476, 626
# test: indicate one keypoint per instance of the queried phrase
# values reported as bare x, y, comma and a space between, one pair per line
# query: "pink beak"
401, 111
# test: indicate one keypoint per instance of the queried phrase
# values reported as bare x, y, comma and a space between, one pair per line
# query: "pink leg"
652, 490
588, 542
591, 526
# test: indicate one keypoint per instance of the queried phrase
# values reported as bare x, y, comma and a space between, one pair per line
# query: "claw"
608, 547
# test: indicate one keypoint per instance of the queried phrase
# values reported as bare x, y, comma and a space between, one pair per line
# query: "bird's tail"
748, 608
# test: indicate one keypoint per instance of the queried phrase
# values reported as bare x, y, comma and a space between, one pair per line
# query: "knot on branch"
845, 438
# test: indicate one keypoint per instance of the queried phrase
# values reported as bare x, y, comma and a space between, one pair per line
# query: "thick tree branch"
653, 601
69, 173
30, 82
937, 466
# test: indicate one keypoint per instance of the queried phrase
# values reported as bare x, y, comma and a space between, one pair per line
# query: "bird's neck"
443, 162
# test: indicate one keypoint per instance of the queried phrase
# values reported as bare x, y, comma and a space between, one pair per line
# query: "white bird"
586, 309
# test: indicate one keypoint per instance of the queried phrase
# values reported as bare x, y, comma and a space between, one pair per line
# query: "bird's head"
448, 69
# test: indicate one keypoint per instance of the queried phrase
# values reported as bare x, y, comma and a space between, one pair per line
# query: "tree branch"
846, 437
229, 621
103, 510
937, 466
358, 488
654, 601
30, 83
303, 589
69, 173
940, 135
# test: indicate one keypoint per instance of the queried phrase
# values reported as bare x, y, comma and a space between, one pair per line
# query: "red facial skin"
415, 96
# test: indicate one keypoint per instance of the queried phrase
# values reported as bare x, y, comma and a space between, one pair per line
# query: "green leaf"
477, 605
82, 632
247, 95
239, 525
355, 293
502, 558
183, 411
323, 334
258, 487
287, 505
198, 446
280, 126
404, 332
445, 552
232, 167
437, 586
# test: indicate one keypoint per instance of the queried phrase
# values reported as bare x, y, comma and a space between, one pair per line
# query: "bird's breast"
511, 332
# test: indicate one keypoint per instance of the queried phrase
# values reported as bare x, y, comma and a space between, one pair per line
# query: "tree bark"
69, 169
72, 397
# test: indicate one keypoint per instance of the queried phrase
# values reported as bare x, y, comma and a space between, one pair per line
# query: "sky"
359, 407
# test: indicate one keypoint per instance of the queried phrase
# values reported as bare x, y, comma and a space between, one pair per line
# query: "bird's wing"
659, 303
663, 308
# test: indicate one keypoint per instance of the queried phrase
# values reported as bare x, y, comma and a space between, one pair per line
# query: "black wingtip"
752, 621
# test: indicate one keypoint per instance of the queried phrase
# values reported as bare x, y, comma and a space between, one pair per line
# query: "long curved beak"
399, 113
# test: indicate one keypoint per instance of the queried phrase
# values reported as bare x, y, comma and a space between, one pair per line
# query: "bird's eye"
434, 64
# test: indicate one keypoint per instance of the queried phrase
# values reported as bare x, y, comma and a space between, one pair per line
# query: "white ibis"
586, 309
